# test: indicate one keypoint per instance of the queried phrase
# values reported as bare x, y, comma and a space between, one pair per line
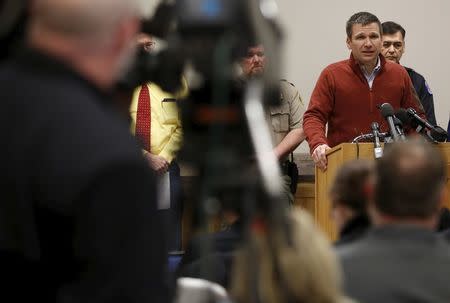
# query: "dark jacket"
210, 256
446, 234
397, 263
353, 230
425, 94
78, 220
444, 220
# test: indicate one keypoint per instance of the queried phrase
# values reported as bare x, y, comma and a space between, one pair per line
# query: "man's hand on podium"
319, 156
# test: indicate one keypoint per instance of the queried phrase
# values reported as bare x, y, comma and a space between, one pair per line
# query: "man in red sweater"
348, 93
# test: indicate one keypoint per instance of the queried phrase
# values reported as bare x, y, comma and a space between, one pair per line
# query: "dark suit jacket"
210, 256
446, 234
397, 263
355, 229
78, 217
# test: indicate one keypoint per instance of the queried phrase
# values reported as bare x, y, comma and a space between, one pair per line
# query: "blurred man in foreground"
402, 259
78, 216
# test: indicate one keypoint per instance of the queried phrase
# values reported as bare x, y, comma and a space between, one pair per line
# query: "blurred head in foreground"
306, 270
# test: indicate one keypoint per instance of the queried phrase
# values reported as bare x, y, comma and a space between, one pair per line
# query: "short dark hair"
363, 18
349, 185
409, 180
390, 28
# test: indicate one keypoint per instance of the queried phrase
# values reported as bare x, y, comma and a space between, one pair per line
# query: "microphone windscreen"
403, 116
386, 110
439, 134
398, 122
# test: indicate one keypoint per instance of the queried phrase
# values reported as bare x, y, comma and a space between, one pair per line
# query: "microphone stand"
377, 149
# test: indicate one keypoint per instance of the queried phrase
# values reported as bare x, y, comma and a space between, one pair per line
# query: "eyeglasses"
397, 44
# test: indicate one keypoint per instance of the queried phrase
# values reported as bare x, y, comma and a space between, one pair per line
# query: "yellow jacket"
166, 133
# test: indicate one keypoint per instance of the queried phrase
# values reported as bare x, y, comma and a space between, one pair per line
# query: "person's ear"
348, 41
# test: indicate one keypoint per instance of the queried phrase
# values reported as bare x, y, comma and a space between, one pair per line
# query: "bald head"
410, 179
95, 37
81, 18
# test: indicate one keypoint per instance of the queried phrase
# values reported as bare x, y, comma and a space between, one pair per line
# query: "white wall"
315, 37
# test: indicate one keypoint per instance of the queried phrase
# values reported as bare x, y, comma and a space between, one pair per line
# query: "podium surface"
337, 156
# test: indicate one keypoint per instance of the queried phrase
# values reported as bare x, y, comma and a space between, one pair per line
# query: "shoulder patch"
428, 88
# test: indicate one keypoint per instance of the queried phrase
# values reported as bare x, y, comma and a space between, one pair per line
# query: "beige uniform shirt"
288, 115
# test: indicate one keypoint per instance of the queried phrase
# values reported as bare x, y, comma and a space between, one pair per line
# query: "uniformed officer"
392, 49
285, 119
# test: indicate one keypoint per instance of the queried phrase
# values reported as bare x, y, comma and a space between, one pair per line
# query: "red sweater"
342, 97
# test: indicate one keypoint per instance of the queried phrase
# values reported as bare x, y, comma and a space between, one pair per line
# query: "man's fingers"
323, 163
317, 156
320, 158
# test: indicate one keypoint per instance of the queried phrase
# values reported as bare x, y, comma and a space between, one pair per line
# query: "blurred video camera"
205, 40
224, 127
195, 29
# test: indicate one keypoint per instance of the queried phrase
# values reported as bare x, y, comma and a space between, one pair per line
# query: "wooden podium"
336, 157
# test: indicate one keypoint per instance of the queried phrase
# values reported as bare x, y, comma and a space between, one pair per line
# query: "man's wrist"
318, 145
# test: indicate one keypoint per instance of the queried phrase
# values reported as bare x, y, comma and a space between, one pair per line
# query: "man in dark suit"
402, 259
78, 216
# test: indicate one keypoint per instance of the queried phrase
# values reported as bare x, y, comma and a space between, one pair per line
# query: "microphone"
377, 149
388, 114
432, 133
403, 116
417, 122
399, 128
438, 134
